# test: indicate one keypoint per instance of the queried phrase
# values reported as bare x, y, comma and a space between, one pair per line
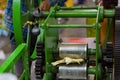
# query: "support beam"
13, 58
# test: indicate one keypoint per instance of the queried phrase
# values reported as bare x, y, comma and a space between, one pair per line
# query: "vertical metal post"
51, 37
97, 28
26, 57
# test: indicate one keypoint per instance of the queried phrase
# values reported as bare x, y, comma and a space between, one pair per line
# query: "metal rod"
109, 13
12, 59
81, 13
78, 7
17, 22
91, 51
97, 28
69, 26
91, 70
22, 76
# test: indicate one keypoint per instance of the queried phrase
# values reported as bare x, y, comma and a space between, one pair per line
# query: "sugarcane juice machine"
57, 59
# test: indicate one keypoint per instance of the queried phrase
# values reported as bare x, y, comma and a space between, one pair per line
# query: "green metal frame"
17, 21
22, 50
13, 58
98, 12
49, 35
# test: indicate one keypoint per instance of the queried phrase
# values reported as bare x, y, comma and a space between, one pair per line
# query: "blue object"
8, 13
81, 1
60, 2
3, 32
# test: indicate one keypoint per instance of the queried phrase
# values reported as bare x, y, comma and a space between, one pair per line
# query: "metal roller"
73, 72
73, 50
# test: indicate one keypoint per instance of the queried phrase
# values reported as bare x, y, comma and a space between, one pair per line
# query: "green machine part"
91, 12
50, 37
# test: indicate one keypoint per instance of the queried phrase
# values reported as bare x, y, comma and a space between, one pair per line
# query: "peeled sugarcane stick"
67, 60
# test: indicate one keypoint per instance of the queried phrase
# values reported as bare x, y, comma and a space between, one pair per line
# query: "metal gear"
39, 61
108, 57
117, 45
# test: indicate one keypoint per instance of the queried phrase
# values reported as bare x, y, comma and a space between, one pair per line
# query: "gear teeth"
117, 58
108, 57
40, 61
117, 44
117, 13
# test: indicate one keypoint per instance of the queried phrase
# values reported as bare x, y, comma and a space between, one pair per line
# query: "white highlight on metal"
73, 50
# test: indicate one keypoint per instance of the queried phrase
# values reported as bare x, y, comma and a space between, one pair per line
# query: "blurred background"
4, 40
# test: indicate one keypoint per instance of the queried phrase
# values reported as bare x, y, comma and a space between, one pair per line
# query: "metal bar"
78, 7
109, 31
50, 14
22, 76
91, 70
69, 26
81, 13
91, 51
97, 28
75, 13
53, 33
26, 57
17, 21
13, 58
109, 13
26, 65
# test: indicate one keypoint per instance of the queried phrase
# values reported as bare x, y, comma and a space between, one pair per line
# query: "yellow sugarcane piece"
67, 60
29, 22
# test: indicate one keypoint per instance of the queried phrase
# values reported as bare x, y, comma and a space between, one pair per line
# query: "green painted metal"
81, 13
108, 32
12, 59
26, 64
70, 26
101, 13
109, 13
99, 72
90, 31
26, 57
22, 76
23, 49
77, 7
92, 51
49, 35
97, 28
51, 39
91, 70
17, 21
